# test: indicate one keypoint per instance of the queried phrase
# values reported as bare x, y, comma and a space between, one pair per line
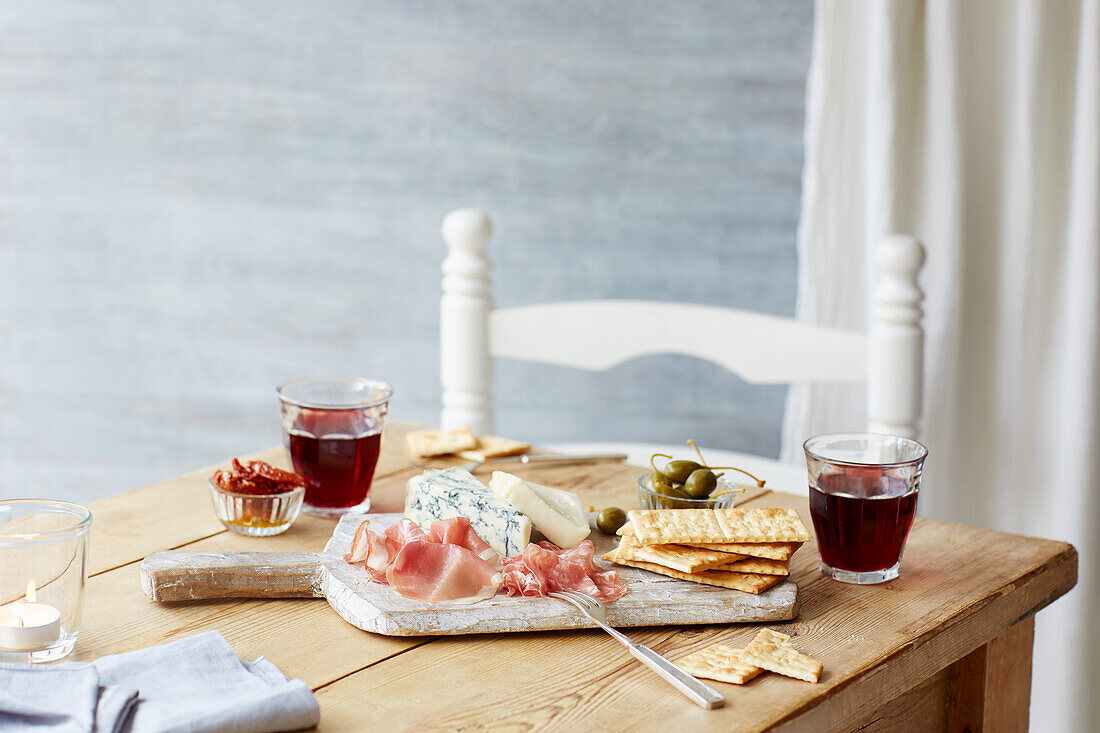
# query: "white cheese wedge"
556, 513
453, 492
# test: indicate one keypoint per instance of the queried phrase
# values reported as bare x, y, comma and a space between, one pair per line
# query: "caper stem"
702, 460
738, 490
662, 455
759, 482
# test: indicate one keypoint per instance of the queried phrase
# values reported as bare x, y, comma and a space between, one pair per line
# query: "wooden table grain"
946, 646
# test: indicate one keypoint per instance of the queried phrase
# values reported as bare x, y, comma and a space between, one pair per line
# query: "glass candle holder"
43, 568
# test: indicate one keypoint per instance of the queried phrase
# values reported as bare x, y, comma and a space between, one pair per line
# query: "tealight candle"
26, 626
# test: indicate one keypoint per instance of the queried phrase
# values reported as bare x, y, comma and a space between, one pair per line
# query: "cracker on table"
759, 565
761, 524
494, 446
427, 443
769, 550
719, 662
677, 557
774, 652
747, 582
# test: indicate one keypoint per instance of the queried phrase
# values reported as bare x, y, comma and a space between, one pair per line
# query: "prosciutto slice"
434, 571
369, 548
545, 568
448, 565
457, 531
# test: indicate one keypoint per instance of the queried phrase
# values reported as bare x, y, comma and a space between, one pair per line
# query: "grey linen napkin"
62, 700
192, 685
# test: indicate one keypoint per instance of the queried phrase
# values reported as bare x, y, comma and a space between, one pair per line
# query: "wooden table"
946, 646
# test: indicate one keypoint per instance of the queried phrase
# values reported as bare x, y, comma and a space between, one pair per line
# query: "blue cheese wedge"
453, 492
556, 513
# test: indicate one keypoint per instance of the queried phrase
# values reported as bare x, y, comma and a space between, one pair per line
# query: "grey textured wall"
201, 199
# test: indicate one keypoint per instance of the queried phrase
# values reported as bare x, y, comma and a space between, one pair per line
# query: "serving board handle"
175, 575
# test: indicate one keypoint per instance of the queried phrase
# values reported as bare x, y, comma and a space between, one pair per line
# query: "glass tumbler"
863, 496
332, 427
43, 568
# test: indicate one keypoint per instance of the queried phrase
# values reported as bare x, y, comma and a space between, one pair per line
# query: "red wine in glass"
339, 468
862, 517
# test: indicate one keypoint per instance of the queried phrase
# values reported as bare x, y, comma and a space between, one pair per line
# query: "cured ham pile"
544, 568
452, 563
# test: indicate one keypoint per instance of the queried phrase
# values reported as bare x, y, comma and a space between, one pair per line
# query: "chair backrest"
597, 335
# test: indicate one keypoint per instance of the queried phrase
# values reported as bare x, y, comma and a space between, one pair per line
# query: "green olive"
672, 497
700, 484
610, 519
655, 479
678, 471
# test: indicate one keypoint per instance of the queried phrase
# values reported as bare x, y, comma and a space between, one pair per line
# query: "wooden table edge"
851, 692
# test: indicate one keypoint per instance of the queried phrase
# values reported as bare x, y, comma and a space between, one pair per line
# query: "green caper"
672, 498
678, 471
655, 479
700, 484
610, 519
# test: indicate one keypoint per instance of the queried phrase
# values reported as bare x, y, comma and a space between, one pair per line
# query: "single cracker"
675, 526
719, 662
427, 443
493, 446
769, 550
721, 526
747, 582
677, 557
761, 524
774, 652
759, 565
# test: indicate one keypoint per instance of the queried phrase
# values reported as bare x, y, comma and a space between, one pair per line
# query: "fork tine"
561, 596
583, 598
565, 595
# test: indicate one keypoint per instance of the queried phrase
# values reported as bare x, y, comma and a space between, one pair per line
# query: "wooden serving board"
651, 600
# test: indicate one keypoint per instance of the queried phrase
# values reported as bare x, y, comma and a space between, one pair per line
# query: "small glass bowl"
652, 500
256, 515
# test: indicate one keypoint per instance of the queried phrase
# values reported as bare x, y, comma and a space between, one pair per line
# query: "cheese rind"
556, 513
453, 492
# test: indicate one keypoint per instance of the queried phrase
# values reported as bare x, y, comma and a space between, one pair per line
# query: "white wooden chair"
597, 335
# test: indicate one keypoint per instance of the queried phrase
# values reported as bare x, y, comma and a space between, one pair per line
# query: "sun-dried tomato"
256, 478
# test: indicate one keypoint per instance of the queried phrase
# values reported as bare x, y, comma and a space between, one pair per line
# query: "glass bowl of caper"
660, 495
682, 484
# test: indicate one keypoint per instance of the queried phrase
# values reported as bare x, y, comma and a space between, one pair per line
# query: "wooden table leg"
990, 688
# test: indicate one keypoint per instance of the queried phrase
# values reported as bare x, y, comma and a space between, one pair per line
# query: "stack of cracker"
743, 549
462, 443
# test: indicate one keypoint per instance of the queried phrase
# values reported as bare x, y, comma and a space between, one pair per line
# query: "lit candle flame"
17, 608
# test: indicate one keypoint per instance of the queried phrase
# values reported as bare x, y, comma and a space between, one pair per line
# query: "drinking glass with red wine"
863, 495
332, 427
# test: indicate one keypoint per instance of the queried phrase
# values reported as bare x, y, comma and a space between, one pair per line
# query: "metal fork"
699, 693
541, 458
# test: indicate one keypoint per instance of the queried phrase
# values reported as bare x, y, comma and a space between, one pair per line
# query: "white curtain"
976, 127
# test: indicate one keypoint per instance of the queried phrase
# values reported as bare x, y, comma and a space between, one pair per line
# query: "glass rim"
279, 495
646, 489
923, 450
81, 514
385, 390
